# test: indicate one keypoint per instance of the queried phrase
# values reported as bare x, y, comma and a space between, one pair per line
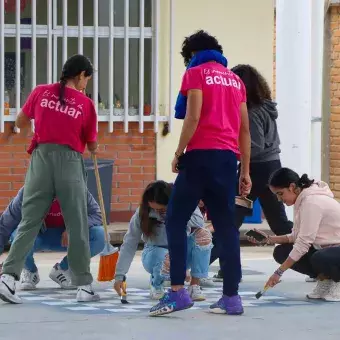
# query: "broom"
109, 256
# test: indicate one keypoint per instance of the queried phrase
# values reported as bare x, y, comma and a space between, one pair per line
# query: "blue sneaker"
172, 302
228, 305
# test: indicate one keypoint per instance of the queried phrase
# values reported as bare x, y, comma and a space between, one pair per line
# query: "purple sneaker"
228, 305
172, 302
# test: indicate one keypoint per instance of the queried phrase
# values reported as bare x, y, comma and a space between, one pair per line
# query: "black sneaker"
218, 277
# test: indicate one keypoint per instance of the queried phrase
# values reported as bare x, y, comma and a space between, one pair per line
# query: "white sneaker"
156, 293
29, 280
7, 289
333, 294
320, 290
310, 279
207, 282
195, 293
86, 294
62, 277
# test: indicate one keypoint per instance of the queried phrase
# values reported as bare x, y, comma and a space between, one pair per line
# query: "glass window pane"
118, 62
41, 61
134, 76
147, 13
119, 13
103, 73
134, 13
88, 11
147, 75
72, 12
10, 71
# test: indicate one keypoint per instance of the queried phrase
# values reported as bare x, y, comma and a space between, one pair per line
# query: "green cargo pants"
54, 171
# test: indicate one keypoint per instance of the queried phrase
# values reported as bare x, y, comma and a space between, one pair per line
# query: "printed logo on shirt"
58, 214
221, 80
56, 105
51, 101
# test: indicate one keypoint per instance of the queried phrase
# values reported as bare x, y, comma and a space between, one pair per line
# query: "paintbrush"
261, 292
245, 203
123, 297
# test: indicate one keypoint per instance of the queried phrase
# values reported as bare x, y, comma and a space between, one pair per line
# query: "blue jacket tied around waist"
198, 59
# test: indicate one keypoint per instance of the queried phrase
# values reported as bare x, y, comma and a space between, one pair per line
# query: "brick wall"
335, 101
135, 165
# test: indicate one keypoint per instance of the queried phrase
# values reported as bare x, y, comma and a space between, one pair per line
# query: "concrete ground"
283, 313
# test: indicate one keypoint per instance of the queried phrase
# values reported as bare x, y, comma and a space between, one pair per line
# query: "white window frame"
52, 31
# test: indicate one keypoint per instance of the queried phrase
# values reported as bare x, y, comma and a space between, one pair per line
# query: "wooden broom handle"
100, 195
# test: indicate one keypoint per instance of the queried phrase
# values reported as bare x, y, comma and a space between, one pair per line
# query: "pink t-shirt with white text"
223, 93
73, 124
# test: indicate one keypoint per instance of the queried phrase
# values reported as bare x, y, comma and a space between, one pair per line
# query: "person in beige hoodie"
313, 247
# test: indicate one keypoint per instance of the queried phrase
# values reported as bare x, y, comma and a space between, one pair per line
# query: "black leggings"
324, 262
273, 209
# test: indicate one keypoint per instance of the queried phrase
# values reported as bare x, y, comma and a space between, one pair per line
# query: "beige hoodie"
316, 220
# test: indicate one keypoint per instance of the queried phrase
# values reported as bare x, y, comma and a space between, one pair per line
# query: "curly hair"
199, 41
257, 87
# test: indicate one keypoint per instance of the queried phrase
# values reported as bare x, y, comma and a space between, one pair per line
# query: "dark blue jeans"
209, 175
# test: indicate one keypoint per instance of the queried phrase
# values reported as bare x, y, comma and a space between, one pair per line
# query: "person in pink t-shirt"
214, 136
65, 122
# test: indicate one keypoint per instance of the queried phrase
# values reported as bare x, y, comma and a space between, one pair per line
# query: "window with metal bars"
119, 36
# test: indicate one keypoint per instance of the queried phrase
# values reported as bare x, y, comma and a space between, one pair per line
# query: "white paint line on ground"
81, 308
127, 310
38, 298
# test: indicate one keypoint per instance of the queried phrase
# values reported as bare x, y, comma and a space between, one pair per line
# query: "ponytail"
284, 177
304, 182
62, 82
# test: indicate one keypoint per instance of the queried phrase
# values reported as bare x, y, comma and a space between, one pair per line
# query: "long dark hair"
158, 192
257, 87
284, 177
199, 41
73, 67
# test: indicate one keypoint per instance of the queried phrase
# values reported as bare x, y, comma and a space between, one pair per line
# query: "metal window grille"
59, 34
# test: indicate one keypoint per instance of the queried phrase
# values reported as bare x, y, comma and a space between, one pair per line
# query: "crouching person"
313, 247
148, 223
52, 236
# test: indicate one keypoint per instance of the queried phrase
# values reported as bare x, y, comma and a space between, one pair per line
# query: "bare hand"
64, 239
174, 165
244, 185
273, 280
119, 287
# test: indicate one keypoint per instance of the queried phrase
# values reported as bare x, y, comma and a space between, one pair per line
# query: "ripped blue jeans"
155, 259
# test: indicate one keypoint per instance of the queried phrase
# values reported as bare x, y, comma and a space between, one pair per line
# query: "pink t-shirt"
223, 93
74, 125
54, 218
